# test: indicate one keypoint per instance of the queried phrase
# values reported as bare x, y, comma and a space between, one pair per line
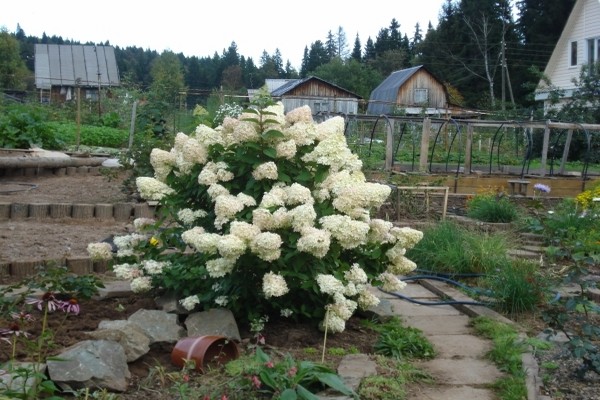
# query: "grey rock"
217, 321
91, 363
134, 341
158, 325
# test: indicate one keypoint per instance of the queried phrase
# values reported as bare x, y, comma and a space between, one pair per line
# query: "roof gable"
384, 95
294, 83
583, 23
63, 65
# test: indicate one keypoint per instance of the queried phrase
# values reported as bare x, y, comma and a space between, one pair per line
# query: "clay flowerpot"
204, 350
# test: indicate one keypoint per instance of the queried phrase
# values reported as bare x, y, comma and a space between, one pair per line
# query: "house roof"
294, 83
384, 96
62, 65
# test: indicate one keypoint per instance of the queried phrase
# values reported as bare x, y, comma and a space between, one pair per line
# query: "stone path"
460, 370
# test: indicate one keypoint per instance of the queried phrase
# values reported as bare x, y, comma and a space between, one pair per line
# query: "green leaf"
284, 178
305, 393
267, 380
288, 394
272, 134
304, 176
334, 382
270, 152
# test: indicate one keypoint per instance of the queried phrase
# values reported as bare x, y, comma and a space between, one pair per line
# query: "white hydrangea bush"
268, 215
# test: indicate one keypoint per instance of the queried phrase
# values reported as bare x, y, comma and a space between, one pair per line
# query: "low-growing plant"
492, 207
506, 354
398, 341
23, 127
90, 135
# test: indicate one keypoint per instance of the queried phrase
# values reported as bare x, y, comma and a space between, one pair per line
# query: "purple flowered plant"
540, 187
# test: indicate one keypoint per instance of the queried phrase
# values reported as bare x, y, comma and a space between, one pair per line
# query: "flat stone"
158, 325
452, 393
467, 371
354, 367
443, 324
114, 289
459, 346
216, 321
403, 307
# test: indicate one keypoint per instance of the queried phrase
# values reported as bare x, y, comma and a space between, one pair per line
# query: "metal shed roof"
62, 65
383, 97
288, 86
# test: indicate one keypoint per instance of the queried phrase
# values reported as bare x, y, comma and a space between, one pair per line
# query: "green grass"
452, 249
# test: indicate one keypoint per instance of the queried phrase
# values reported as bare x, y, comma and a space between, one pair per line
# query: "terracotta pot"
204, 350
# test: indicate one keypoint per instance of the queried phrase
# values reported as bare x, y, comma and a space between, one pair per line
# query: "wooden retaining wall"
101, 211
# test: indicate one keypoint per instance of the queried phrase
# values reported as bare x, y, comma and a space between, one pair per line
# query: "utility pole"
78, 84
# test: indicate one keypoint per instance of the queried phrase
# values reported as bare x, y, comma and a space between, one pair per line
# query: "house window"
420, 96
91, 94
593, 50
573, 54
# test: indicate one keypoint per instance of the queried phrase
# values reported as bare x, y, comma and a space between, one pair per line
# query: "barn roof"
383, 97
62, 65
294, 83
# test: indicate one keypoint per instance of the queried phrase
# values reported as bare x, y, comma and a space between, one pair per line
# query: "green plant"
59, 291
506, 354
518, 286
491, 207
24, 127
256, 202
450, 248
96, 136
400, 342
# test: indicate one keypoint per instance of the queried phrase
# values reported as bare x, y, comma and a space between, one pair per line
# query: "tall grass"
452, 249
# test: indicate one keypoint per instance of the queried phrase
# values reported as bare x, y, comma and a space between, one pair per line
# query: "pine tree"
357, 50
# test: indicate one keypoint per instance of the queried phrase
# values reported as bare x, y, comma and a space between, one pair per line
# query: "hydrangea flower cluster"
268, 214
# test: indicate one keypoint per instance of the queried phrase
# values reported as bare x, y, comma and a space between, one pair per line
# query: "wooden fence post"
468, 147
389, 145
545, 146
424, 145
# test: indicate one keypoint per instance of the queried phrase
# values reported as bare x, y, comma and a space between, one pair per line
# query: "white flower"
215, 190
152, 189
366, 299
231, 246
380, 231
356, 274
244, 230
162, 162
286, 313
407, 237
153, 267
302, 216
391, 283
333, 323
188, 216
127, 271
190, 302
343, 307
219, 267
267, 246
222, 301
298, 194
314, 241
286, 149
141, 284
126, 244
266, 170
401, 266
299, 114
329, 284
347, 232
100, 251
274, 285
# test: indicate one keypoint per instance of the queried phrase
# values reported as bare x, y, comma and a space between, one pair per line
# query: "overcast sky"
203, 28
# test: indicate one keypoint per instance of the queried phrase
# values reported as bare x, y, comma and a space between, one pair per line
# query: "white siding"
583, 24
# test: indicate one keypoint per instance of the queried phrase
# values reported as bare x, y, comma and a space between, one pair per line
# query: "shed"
60, 69
414, 90
321, 96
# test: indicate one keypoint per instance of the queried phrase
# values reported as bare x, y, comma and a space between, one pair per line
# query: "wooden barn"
61, 70
321, 96
411, 91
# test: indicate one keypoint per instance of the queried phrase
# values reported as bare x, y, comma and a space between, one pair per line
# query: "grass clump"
518, 287
492, 207
453, 249
400, 342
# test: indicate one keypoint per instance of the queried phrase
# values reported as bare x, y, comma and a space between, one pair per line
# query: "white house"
578, 45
